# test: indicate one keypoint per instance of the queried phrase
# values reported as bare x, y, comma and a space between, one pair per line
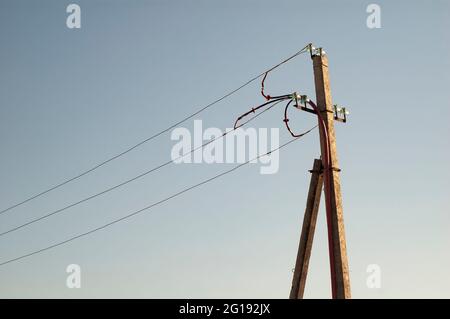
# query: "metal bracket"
321, 170
301, 103
315, 51
340, 113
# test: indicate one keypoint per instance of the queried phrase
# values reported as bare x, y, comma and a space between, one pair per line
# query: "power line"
275, 102
254, 109
153, 136
145, 208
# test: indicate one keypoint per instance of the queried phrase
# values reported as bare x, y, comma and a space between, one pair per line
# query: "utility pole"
307, 235
325, 172
338, 250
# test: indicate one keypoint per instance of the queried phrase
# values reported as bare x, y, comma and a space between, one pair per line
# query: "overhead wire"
58, 211
254, 109
286, 120
97, 166
115, 221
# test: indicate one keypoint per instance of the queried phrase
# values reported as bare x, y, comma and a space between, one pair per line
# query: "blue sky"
72, 98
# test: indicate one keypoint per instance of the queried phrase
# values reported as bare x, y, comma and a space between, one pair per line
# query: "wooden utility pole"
325, 173
307, 235
338, 251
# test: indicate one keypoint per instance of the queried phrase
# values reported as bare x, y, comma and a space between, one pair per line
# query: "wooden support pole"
338, 251
307, 234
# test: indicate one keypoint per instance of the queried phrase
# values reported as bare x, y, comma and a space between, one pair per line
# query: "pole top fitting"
315, 51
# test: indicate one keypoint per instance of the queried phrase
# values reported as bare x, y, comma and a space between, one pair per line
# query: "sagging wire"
268, 97
286, 119
254, 109
291, 97
269, 100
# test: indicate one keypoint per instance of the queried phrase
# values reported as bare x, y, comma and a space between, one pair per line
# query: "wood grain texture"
307, 234
325, 106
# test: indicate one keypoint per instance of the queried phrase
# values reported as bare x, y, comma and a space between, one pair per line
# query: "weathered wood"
307, 234
325, 106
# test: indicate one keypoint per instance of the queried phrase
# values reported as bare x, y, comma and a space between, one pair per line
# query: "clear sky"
70, 98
